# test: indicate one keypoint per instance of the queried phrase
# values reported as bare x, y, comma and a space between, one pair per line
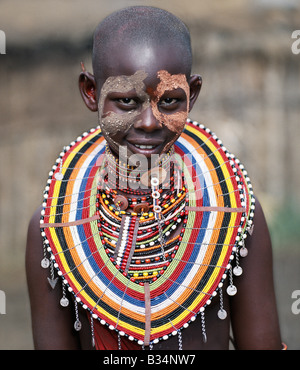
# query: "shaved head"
139, 28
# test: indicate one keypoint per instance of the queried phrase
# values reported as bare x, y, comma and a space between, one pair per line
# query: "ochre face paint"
175, 122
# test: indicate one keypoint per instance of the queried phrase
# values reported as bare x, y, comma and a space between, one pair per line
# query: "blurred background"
250, 98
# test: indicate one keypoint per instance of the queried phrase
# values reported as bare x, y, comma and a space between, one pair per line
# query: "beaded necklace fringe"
127, 269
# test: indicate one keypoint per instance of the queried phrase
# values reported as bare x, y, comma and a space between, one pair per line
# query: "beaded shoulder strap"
124, 269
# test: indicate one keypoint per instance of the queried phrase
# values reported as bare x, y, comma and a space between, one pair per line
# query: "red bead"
141, 283
132, 279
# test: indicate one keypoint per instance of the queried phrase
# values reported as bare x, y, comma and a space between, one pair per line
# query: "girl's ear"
87, 88
195, 83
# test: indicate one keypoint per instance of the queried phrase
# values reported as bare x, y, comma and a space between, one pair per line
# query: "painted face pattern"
112, 123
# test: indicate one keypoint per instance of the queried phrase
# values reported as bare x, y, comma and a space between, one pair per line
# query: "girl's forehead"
148, 58
164, 81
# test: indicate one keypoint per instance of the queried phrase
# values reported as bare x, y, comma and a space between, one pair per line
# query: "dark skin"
251, 312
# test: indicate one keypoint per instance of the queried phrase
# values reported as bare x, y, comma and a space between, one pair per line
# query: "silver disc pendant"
231, 290
64, 302
243, 252
237, 271
45, 263
77, 325
222, 314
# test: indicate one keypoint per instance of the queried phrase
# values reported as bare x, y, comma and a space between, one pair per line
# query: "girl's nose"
147, 121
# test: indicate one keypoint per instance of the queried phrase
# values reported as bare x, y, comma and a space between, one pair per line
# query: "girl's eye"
127, 101
168, 101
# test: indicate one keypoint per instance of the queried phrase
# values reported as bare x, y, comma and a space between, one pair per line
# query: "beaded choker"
148, 262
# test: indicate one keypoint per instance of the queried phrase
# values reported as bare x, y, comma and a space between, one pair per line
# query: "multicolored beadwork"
111, 275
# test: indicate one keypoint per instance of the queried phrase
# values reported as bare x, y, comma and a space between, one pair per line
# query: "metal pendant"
231, 290
243, 252
45, 263
52, 282
64, 302
237, 271
222, 314
77, 325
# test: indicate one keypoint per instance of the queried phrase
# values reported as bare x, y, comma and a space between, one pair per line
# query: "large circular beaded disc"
219, 208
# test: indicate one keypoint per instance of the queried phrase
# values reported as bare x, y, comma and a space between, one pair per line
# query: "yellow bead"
136, 274
106, 202
145, 273
173, 200
155, 273
103, 195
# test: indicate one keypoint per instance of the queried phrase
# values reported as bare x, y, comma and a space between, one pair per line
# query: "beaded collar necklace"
134, 271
